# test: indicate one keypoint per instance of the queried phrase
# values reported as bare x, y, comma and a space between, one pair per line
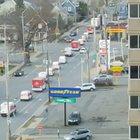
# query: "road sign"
67, 100
115, 30
103, 43
116, 69
64, 92
1, 64
117, 73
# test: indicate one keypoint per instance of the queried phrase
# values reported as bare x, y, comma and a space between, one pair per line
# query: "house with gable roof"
69, 6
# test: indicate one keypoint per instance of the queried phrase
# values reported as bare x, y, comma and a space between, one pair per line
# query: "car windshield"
73, 133
73, 115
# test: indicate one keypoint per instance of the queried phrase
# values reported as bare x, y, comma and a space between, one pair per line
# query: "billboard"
64, 92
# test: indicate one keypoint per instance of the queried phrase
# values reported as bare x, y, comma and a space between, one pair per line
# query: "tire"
91, 89
88, 138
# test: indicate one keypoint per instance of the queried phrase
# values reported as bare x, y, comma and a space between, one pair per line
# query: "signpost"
64, 95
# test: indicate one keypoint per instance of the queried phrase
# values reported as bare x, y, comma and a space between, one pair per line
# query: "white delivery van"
43, 74
86, 35
68, 52
51, 71
4, 109
25, 95
81, 41
55, 65
84, 38
62, 59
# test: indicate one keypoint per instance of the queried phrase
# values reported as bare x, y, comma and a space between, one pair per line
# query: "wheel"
91, 89
96, 81
88, 138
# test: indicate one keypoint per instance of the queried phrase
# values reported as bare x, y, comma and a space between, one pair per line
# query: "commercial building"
134, 68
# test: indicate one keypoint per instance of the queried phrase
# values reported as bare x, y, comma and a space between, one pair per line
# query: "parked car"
81, 133
74, 118
18, 73
87, 87
31, 48
73, 33
103, 79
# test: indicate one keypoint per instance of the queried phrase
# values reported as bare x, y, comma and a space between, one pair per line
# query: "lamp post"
7, 85
82, 61
88, 64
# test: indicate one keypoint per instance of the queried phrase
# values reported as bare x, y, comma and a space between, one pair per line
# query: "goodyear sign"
116, 69
64, 92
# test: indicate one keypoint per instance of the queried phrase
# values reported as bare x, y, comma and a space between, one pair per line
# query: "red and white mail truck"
75, 45
38, 84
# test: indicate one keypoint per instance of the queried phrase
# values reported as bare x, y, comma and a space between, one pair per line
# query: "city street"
103, 110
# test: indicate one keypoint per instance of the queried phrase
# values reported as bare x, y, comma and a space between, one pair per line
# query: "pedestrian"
58, 133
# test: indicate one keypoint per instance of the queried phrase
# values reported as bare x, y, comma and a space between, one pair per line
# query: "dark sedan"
18, 73
74, 118
73, 33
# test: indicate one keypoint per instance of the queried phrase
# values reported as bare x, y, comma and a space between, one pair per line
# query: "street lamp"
7, 85
82, 61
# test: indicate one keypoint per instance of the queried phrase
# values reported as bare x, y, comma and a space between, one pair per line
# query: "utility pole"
88, 65
48, 64
22, 21
81, 70
7, 85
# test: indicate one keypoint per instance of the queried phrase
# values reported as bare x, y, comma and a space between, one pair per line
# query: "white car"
26, 95
55, 65
51, 71
62, 59
87, 87
81, 41
83, 50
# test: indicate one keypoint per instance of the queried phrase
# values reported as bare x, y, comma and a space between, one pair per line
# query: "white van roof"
10, 103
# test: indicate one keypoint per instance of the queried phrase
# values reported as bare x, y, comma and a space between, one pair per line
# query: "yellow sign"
1, 64
115, 30
116, 69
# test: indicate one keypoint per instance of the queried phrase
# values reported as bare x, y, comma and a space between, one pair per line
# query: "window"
134, 10
69, 9
134, 131
134, 41
134, 102
134, 72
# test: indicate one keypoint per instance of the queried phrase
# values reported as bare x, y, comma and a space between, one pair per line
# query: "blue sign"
64, 92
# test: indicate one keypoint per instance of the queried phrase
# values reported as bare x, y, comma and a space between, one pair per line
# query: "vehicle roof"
86, 83
81, 129
25, 91
5, 103
38, 78
75, 112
